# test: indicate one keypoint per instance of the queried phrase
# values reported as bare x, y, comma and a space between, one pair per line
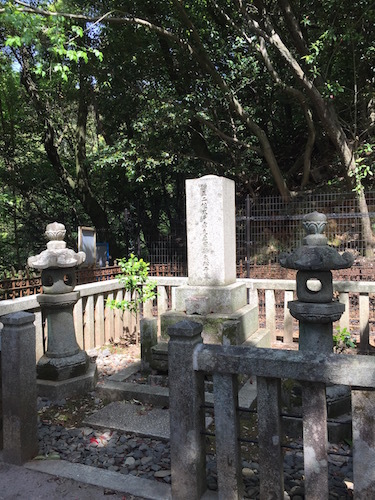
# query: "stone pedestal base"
159, 352
58, 369
227, 329
204, 300
57, 390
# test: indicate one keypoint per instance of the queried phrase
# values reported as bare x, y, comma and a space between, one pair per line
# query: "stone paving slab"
132, 418
131, 485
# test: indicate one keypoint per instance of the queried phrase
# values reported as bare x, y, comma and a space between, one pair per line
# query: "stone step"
138, 419
117, 387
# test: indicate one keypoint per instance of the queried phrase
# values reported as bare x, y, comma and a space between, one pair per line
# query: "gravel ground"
62, 436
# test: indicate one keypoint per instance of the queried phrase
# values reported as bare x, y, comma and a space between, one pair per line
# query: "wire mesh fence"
265, 227
269, 226
168, 257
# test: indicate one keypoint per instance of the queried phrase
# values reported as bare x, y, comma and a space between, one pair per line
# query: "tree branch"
306, 111
200, 54
228, 138
294, 27
107, 18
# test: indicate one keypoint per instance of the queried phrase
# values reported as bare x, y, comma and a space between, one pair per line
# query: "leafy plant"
363, 165
343, 339
134, 277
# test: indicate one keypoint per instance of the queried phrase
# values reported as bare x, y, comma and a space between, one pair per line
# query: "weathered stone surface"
159, 357
55, 390
247, 318
328, 368
314, 286
149, 338
363, 403
123, 416
316, 313
61, 334
211, 233
186, 390
63, 368
20, 441
119, 391
227, 431
315, 439
56, 255
197, 304
112, 481
317, 258
214, 299
269, 436
63, 358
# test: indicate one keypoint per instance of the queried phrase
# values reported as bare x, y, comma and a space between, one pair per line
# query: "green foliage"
363, 165
55, 41
134, 278
149, 100
342, 339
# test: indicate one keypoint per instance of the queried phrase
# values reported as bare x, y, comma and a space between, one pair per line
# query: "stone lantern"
315, 308
64, 368
316, 311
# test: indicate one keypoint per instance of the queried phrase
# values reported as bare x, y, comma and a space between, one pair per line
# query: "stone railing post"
149, 338
20, 440
186, 397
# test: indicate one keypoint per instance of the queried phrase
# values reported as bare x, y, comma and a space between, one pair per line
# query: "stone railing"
190, 360
96, 324
273, 296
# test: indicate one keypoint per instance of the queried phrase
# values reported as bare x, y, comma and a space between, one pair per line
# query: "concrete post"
20, 440
363, 408
186, 397
269, 432
227, 430
149, 338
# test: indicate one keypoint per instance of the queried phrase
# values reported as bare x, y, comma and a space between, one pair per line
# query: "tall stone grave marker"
211, 231
212, 296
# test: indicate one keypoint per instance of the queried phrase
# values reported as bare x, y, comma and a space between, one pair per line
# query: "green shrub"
134, 277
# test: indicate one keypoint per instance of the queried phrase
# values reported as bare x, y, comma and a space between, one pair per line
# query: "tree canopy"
107, 107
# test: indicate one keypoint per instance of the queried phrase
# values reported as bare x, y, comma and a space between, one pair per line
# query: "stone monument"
212, 296
65, 368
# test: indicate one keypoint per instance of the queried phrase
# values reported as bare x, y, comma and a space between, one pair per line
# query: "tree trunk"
335, 132
328, 117
78, 187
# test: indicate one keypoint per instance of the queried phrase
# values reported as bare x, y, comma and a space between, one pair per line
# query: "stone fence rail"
97, 324
25, 283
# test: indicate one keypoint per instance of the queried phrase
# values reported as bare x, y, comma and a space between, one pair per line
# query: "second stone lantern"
315, 308
64, 369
